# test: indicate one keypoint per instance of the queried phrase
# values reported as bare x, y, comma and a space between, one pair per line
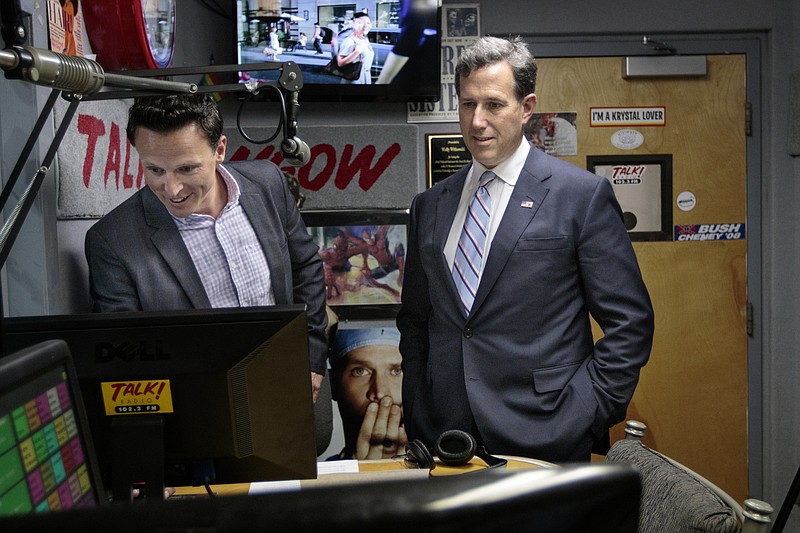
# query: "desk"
373, 470
598, 498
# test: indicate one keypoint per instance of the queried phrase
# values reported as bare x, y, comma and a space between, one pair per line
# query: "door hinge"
748, 119
749, 319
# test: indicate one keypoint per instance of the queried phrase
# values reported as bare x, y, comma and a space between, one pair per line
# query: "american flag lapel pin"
527, 204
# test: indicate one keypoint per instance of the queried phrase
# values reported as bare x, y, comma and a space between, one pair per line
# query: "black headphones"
453, 448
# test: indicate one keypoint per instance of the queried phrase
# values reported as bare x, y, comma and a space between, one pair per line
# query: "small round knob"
634, 430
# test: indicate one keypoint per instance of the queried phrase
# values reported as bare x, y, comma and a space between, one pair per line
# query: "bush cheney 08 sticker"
137, 397
709, 232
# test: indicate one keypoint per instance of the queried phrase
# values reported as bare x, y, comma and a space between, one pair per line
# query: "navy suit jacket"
138, 261
523, 368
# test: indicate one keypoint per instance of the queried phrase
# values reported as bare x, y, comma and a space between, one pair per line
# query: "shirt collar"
509, 169
233, 187
233, 199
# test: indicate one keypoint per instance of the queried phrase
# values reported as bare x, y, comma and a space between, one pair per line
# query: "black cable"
281, 122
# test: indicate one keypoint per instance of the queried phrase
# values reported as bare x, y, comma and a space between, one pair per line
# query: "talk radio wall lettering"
350, 166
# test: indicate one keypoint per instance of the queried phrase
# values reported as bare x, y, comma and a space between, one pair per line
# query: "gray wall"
776, 178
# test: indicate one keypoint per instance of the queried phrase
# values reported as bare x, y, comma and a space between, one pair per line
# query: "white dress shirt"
500, 190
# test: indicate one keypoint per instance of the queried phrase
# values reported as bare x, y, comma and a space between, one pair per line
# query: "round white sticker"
686, 201
627, 139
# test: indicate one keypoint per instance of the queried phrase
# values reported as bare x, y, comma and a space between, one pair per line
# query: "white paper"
323, 468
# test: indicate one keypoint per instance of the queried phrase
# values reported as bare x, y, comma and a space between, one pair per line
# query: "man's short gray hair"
490, 50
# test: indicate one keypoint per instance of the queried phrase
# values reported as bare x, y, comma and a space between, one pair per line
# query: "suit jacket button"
468, 333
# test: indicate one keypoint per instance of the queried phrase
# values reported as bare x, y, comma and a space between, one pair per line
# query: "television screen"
404, 40
230, 389
47, 461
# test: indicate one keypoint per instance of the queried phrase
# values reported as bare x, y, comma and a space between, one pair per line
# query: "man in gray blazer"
202, 234
495, 331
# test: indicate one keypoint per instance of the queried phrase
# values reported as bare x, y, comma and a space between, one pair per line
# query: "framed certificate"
444, 154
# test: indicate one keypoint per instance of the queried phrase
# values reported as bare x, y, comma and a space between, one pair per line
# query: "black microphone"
293, 149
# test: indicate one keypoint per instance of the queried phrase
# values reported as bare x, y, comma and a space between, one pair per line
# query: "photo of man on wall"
366, 383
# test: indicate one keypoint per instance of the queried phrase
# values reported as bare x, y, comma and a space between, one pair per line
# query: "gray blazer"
138, 261
523, 368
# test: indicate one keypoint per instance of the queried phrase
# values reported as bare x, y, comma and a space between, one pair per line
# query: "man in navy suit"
495, 323
202, 234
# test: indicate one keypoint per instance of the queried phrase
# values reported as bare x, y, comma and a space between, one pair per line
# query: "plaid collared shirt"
227, 254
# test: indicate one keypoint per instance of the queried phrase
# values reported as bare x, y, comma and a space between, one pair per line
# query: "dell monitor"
47, 461
190, 397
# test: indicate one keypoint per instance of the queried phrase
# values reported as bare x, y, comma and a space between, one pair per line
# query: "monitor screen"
47, 460
229, 387
405, 41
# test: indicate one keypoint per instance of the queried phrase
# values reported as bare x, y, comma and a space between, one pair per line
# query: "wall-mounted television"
400, 28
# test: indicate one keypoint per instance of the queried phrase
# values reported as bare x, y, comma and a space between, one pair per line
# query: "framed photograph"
643, 186
555, 133
363, 256
444, 154
461, 20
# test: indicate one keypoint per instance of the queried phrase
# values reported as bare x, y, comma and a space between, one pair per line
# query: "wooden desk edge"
376, 470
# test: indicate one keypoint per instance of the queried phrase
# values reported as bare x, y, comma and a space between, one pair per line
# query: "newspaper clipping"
65, 21
460, 27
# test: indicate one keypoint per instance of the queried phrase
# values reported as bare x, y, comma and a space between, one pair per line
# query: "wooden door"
693, 392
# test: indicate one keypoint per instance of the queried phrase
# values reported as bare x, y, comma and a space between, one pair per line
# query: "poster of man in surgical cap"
366, 383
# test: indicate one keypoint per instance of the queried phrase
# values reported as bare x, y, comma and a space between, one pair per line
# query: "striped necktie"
469, 254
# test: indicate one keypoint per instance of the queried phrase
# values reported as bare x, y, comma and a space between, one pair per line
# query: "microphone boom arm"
290, 80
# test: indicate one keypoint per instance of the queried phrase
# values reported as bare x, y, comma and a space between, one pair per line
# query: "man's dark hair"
490, 50
164, 114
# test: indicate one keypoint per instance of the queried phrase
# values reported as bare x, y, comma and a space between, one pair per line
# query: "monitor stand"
138, 456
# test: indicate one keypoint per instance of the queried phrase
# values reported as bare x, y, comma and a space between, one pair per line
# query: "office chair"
676, 499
